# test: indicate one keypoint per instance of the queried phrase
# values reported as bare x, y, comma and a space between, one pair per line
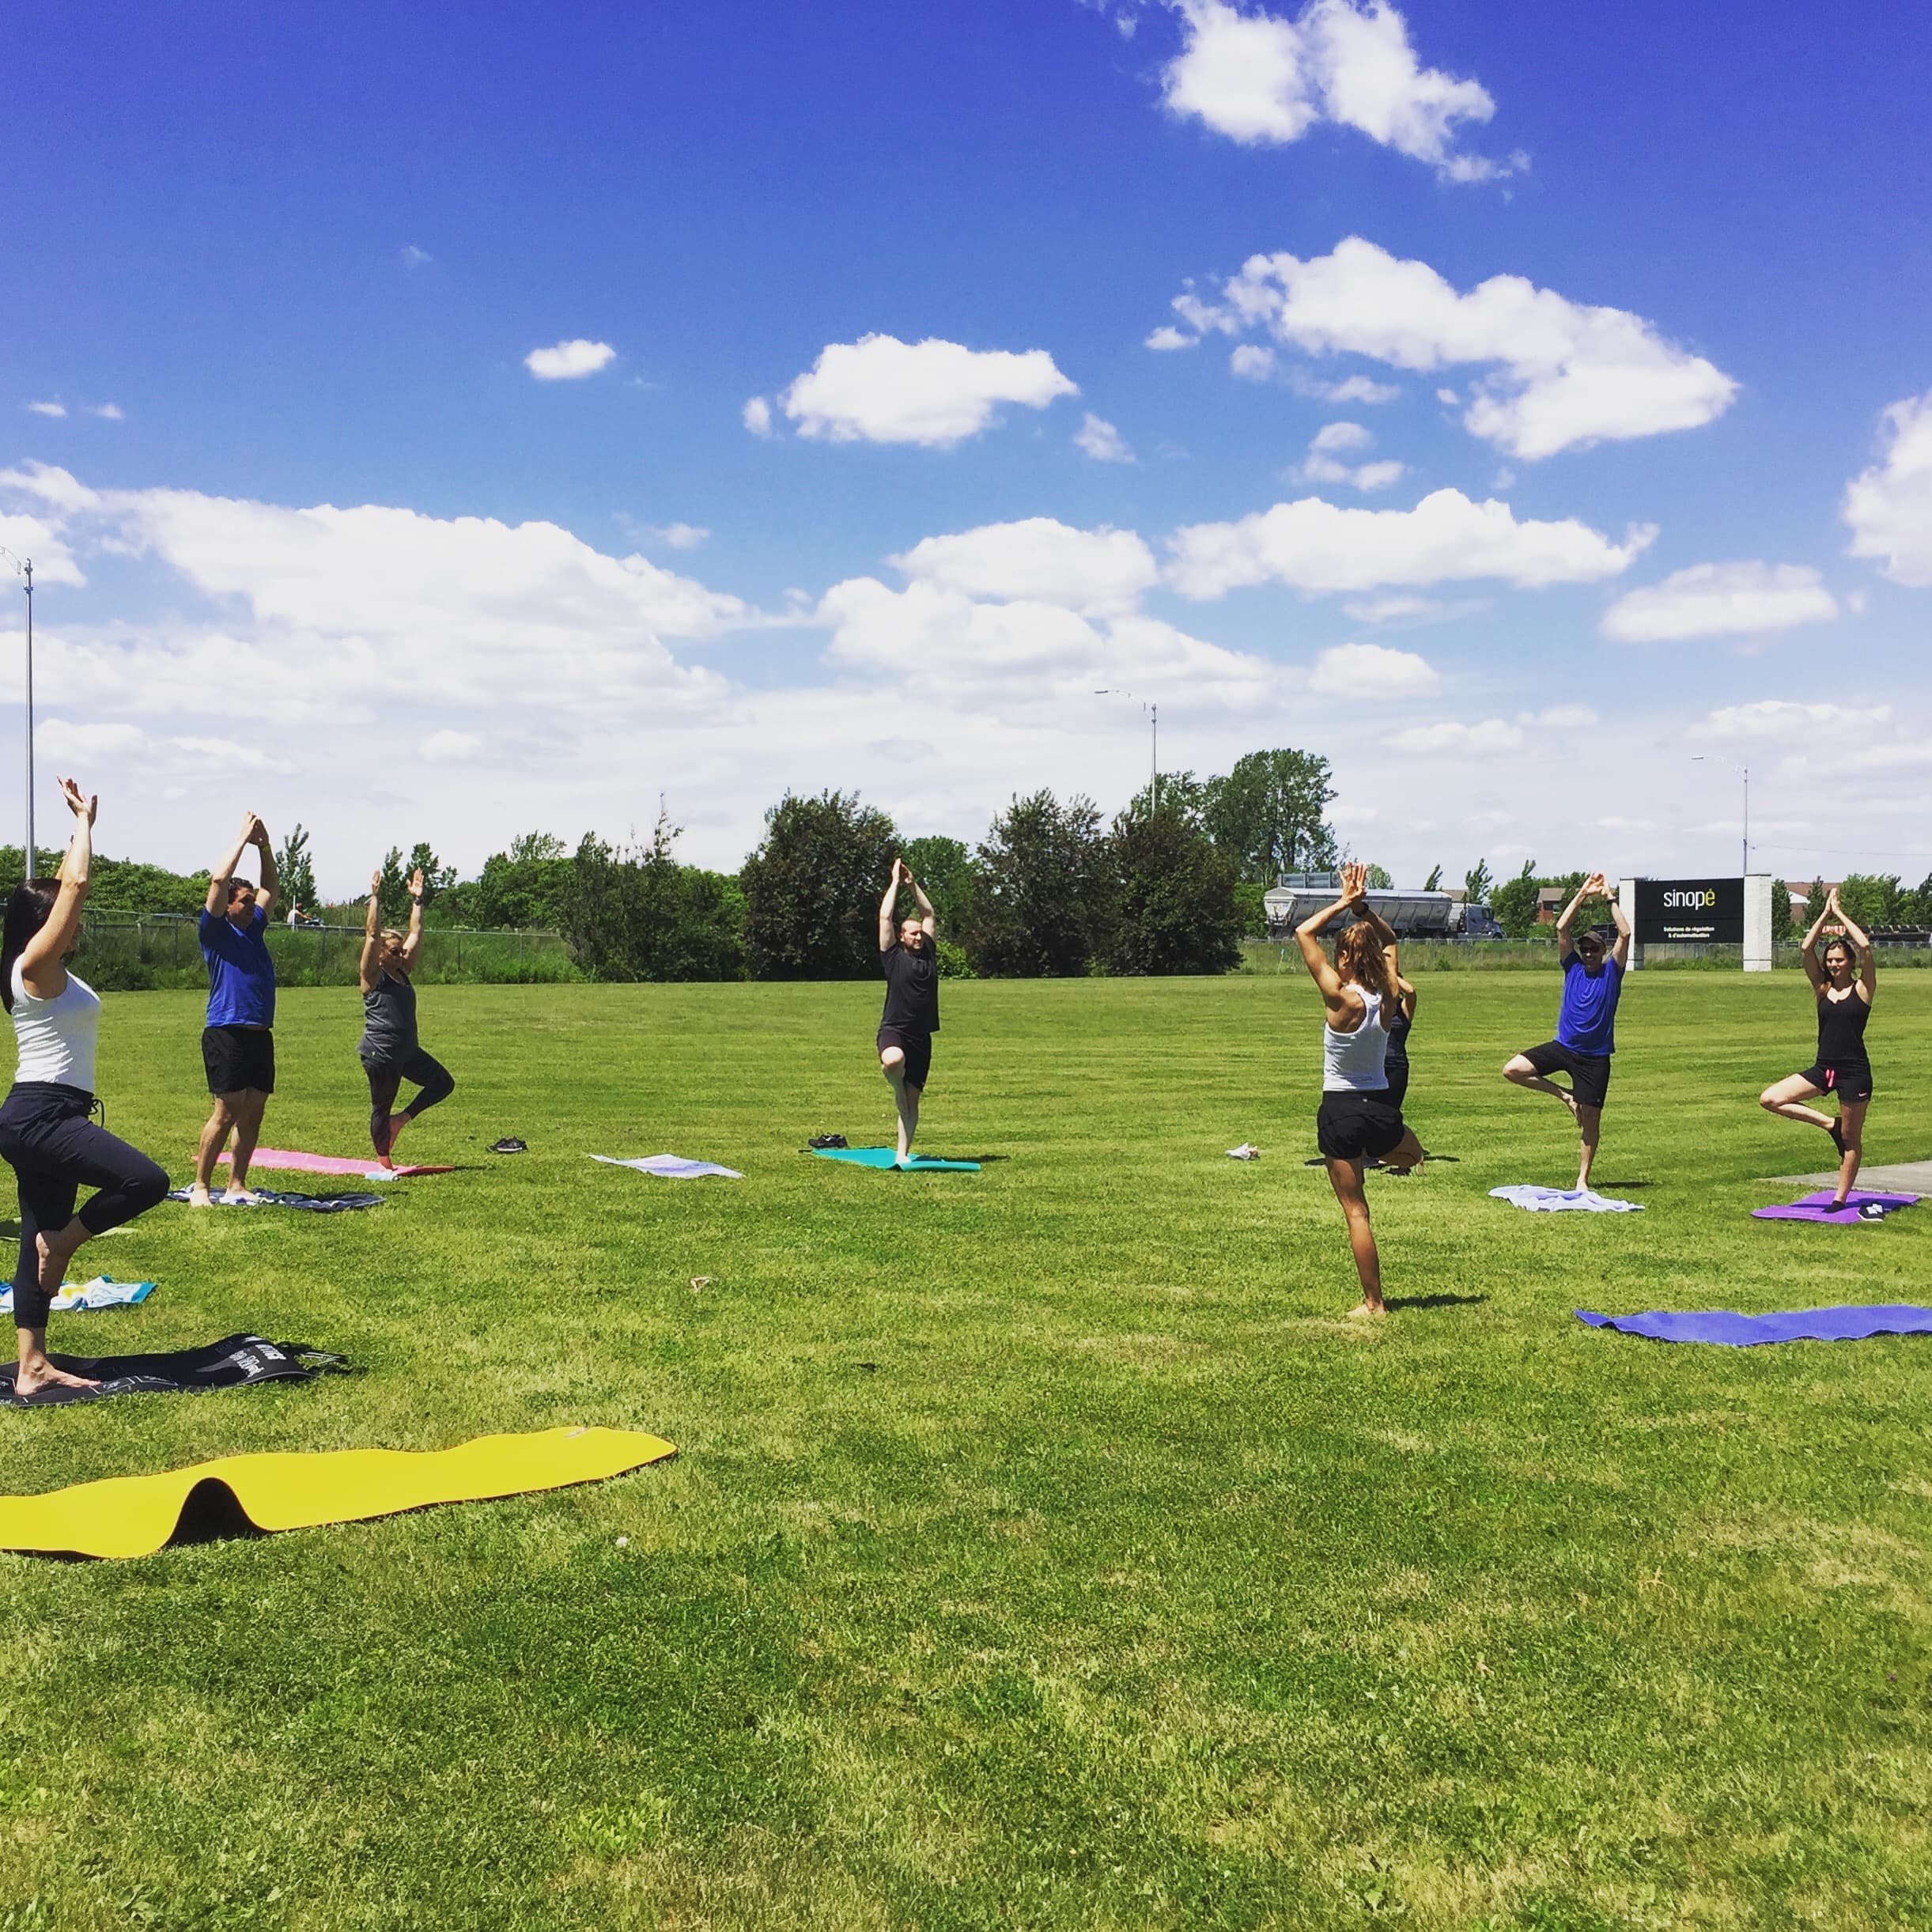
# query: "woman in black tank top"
1843, 978
389, 1050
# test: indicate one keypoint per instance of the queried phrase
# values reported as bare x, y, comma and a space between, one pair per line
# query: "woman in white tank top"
1357, 1121
45, 1135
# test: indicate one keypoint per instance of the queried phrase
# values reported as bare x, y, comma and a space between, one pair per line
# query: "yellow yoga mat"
136, 1515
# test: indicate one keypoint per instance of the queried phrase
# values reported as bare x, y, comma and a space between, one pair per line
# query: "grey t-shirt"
388, 1021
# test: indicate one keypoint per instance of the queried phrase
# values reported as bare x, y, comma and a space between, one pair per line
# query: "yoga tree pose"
1592, 981
238, 1043
909, 956
1357, 1122
388, 1049
45, 1135
1843, 990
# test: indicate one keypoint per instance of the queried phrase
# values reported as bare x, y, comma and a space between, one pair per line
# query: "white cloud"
1261, 79
1312, 545
1389, 609
1167, 336
1353, 389
48, 409
1319, 465
1558, 718
1567, 373
1448, 739
1335, 436
411, 256
1372, 673
87, 745
448, 747
1039, 560
1773, 719
1101, 441
1254, 362
226, 752
565, 361
673, 536
107, 412
934, 393
1720, 600
757, 416
1889, 506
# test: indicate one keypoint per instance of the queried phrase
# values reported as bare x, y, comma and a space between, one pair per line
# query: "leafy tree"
639, 915
1044, 889
116, 885
394, 888
1176, 912
1814, 903
1872, 898
812, 888
1477, 882
529, 887
1267, 812
1433, 882
1917, 910
437, 878
294, 864
1379, 879
944, 866
1782, 924
1514, 902
1187, 794
1251, 902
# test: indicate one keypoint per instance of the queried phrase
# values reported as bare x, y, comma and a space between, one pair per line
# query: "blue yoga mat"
889, 1157
1731, 1330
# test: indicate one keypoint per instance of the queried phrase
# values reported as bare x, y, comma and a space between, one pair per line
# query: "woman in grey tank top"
1358, 1120
389, 1050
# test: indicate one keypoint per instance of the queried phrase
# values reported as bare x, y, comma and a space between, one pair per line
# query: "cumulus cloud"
1394, 608
673, 536
1037, 559
934, 393
107, 412
1168, 337
1775, 719
1720, 600
448, 747
1320, 464
1372, 672
48, 409
1311, 545
1888, 507
1564, 373
757, 416
566, 361
91, 744
1253, 362
1264, 80
1448, 739
1101, 441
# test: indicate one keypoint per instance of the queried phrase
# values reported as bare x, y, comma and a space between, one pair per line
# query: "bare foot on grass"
198, 1197
1368, 1311
31, 1378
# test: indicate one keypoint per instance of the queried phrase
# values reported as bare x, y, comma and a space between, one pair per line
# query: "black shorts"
916, 1047
1359, 1126
239, 1057
1590, 1073
1850, 1079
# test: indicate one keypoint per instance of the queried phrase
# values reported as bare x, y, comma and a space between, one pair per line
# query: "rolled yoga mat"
1731, 1330
137, 1515
889, 1157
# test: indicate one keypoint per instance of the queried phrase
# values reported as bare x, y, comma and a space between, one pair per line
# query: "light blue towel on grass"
670, 1166
1564, 1201
102, 1291
889, 1157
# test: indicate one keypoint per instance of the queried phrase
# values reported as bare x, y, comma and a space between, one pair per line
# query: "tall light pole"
1743, 772
1153, 711
24, 566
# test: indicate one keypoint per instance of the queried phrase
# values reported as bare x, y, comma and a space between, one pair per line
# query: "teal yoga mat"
888, 1157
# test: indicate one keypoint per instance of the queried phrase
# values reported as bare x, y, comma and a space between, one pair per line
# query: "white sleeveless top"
1353, 1063
57, 1036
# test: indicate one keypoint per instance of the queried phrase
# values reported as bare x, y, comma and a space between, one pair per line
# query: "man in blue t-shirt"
1585, 1026
238, 1043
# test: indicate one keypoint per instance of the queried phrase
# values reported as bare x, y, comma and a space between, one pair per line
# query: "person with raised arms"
1593, 982
1844, 992
909, 956
1357, 1122
238, 1043
45, 1135
389, 1049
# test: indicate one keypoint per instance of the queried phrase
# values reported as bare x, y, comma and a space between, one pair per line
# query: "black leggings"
55, 1150
430, 1074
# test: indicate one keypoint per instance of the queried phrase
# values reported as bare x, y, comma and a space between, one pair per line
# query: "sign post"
1703, 912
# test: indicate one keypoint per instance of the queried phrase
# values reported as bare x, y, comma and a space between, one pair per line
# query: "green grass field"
1045, 1547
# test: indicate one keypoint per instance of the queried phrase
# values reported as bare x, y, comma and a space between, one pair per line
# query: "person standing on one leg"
1356, 1123
389, 1050
238, 1043
909, 956
1592, 981
45, 1135
1844, 993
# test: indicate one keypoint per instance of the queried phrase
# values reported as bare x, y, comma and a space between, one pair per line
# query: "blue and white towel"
311, 1204
1564, 1201
102, 1291
670, 1166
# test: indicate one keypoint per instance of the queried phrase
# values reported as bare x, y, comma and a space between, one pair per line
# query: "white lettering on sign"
1688, 901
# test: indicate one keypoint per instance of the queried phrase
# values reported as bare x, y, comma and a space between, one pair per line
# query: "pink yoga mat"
366, 1169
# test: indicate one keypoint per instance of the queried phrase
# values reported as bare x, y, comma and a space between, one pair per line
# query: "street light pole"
1153, 711
1746, 770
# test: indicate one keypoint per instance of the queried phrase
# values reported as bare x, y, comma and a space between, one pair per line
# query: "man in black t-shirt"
909, 956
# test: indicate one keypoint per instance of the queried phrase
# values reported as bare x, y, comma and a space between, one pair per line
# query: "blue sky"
341, 553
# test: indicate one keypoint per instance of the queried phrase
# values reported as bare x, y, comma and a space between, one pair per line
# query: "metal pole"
27, 570
1154, 713
1746, 770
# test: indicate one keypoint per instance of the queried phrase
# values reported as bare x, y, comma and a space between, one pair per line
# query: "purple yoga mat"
1818, 1208
1731, 1330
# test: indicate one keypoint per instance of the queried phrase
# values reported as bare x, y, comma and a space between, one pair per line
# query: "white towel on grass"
671, 1167
1564, 1201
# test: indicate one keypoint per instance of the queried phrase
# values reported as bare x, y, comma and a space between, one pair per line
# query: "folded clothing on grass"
1819, 1207
889, 1157
136, 1515
1731, 1330
309, 1204
235, 1362
366, 1168
102, 1291
1564, 1201
671, 1167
